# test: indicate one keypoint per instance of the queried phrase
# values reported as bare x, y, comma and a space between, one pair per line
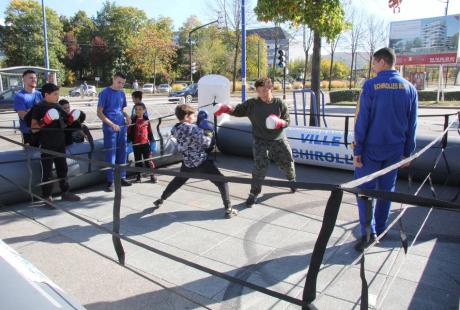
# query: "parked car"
189, 93
7, 98
251, 86
148, 88
164, 88
91, 91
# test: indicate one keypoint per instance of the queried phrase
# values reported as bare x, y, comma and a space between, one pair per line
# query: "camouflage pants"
265, 150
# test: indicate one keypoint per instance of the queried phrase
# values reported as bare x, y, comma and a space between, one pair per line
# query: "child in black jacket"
49, 120
80, 131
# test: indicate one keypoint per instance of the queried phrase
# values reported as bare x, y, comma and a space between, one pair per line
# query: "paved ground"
269, 245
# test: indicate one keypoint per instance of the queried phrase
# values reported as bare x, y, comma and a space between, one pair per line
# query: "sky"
179, 10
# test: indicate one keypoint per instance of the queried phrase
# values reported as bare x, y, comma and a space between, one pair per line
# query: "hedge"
431, 96
344, 95
351, 95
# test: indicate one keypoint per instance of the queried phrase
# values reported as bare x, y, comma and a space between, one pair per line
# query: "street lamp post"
243, 51
258, 59
219, 21
45, 36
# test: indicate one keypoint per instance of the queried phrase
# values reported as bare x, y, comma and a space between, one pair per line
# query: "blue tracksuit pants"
375, 159
115, 149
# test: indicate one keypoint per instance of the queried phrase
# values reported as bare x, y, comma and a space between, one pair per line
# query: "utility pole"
190, 55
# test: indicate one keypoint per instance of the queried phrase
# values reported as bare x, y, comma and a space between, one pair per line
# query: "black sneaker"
157, 203
138, 178
383, 237
125, 183
251, 200
362, 244
109, 187
230, 212
68, 196
153, 179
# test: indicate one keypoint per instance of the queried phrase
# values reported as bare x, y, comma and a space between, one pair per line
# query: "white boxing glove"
274, 122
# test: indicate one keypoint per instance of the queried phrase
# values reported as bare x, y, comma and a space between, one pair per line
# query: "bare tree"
376, 36
333, 46
307, 44
355, 33
231, 10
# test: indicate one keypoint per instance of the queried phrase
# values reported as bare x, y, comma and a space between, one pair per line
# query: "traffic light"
193, 67
220, 20
281, 58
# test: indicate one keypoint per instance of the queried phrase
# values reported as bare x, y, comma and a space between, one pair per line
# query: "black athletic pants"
143, 152
208, 167
60, 163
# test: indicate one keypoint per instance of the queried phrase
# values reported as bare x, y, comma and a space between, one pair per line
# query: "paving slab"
422, 297
98, 283
18, 231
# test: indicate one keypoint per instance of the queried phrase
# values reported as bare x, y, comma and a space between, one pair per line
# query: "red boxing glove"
222, 108
50, 116
73, 116
274, 122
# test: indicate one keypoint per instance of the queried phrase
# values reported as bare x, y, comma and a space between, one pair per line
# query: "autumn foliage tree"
152, 50
98, 51
77, 36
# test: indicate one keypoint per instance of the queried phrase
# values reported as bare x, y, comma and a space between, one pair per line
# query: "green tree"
211, 54
23, 41
324, 17
339, 70
296, 68
181, 64
255, 47
115, 25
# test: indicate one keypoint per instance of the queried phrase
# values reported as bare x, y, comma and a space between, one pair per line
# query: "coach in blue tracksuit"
111, 109
386, 119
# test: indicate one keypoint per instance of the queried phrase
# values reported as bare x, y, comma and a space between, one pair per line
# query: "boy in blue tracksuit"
24, 100
111, 109
386, 119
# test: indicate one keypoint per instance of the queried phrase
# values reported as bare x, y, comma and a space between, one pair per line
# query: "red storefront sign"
427, 59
